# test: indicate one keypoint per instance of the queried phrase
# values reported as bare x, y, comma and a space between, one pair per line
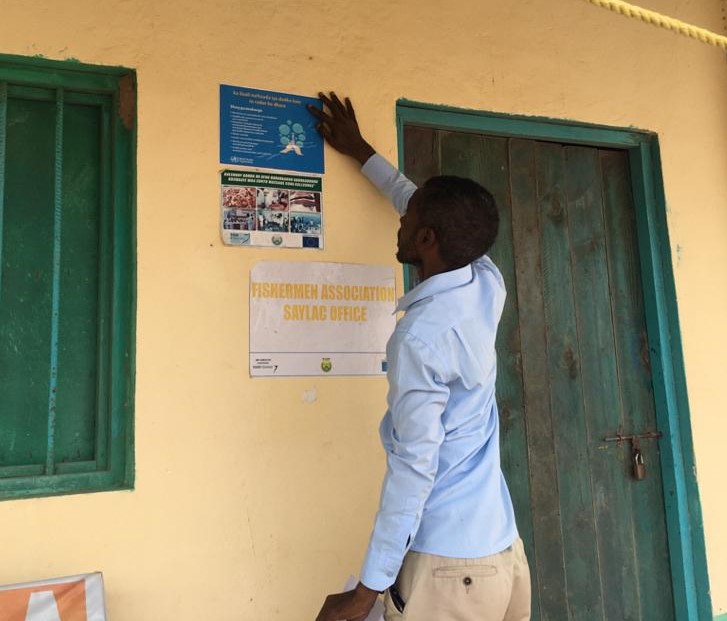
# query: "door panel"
595, 369
635, 387
572, 369
524, 286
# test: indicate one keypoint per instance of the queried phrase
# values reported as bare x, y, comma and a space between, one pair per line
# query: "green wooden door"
573, 368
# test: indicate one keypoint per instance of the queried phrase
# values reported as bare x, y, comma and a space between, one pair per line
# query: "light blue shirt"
444, 492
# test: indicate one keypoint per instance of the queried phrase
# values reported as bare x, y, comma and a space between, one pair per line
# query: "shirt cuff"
389, 181
375, 579
377, 170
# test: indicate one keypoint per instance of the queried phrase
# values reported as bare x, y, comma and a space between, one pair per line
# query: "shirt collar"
434, 285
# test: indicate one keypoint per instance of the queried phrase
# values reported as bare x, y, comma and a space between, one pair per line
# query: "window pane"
78, 323
67, 264
25, 299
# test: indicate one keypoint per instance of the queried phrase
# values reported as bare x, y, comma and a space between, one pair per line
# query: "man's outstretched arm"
339, 127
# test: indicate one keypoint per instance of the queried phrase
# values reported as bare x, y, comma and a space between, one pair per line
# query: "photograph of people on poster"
270, 198
238, 220
238, 205
275, 221
305, 223
305, 201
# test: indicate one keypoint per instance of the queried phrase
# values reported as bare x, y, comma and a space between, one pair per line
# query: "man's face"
406, 237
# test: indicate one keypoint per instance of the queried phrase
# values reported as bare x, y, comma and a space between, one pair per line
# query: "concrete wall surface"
253, 500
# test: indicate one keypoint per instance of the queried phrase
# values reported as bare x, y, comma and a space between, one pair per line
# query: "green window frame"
67, 277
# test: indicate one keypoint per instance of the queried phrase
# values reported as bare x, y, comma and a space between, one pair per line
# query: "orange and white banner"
75, 598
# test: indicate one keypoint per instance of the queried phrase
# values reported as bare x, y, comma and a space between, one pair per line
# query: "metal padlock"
638, 463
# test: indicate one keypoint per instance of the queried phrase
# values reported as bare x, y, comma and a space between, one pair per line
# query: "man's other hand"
349, 606
340, 128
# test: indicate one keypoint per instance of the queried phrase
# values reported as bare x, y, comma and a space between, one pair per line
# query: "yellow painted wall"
251, 503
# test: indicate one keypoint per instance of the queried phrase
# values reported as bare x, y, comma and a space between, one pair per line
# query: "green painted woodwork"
443, 117
25, 300
482, 159
562, 386
683, 510
637, 401
594, 222
547, 562
611, 482
495, 172
421, 161
67, 284
79, 309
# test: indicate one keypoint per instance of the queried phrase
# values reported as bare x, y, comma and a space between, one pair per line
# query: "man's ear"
426, 238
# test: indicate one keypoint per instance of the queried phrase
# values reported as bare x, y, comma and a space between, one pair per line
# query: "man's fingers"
329, 610
337, 102
326, 101
336, 108
341, 606
349, 108
324, 131
318, 113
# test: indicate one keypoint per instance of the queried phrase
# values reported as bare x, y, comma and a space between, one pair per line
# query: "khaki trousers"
437, 588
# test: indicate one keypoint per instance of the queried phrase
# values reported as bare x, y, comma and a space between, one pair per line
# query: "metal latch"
637, 457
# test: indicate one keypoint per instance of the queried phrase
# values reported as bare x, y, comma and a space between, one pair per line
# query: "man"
444, 543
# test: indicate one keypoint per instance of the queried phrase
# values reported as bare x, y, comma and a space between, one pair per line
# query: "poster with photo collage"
271, 209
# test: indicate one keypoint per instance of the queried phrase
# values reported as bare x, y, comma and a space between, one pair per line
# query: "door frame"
685, 533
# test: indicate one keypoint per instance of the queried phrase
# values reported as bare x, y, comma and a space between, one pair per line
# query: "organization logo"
326, 365
277, 240
240, 238
292, 137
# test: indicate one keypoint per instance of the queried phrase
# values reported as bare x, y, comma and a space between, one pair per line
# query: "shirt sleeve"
412, 432
389, 181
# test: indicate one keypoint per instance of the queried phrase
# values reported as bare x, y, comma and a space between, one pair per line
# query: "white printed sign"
320, 318
76, 598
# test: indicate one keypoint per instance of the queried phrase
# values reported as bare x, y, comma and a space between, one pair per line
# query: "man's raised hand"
339, 127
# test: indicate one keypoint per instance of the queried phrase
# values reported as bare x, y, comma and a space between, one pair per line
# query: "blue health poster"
265, 129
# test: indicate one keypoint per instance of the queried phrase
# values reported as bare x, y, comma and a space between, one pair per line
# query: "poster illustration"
270, 209
267, 129
76, 598
314, 318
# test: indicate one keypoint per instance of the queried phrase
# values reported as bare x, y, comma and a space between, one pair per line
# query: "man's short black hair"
463, 216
